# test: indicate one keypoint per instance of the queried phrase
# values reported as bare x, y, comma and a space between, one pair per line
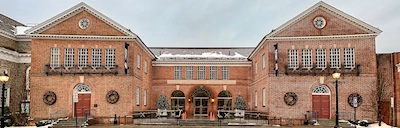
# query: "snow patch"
20, 30
203, 55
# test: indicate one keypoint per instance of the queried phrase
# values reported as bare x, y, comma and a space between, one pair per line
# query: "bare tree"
379, 96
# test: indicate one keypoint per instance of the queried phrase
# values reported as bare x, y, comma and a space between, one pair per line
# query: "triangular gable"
322, 5
72, 12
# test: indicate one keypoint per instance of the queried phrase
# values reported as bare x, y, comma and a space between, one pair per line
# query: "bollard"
119, 119
115, 118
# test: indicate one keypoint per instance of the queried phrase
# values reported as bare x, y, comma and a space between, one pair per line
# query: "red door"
82, 105
321, 104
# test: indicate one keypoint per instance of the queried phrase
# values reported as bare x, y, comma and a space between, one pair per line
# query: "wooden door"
82, 105
321, 104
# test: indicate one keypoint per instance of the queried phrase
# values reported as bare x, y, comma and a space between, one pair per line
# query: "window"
178, 100
145, 66
349, 58
224, 100
189, 72
138, 60
145, 97
137, 96
178, 73
110, 58
7, 97
264, 96
255, 68
69, 58
82, 57
263, 61
201, 73
335, 58
306, 58
225, 72
54, 57
293, 61
321, 58
96, 58
256, 99
213, 72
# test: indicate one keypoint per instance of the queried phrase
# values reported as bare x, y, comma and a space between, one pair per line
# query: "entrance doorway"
321, 101
201, 98
178, 100
84, 98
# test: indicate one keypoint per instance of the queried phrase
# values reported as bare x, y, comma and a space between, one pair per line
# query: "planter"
162, 113
239, 114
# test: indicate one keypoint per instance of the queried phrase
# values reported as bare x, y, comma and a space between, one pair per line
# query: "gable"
70, 26
335, 25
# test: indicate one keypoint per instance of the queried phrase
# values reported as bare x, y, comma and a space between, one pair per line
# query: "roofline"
201, 47
21, 24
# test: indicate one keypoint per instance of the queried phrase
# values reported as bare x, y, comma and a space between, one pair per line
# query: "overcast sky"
212, 23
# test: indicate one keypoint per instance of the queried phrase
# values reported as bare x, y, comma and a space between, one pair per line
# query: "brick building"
83, 52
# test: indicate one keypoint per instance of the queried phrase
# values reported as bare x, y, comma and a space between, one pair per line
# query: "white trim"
82, 37
225, 82
27, 79
198, 63
13, 56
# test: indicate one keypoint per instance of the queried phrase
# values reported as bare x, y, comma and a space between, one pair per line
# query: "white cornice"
15, 37
13, 56
82, 37
201, 63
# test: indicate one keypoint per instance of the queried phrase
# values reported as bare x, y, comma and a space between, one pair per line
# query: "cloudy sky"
212, 23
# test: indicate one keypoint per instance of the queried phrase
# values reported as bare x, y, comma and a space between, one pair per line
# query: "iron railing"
75, 69
322, 71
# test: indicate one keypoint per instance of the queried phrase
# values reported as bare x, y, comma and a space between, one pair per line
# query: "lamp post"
3, 78
336, 76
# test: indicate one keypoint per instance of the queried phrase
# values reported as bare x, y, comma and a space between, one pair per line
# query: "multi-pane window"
263, 61
213, 72
110, 58
96, 58
201, 73
335, 58
189, 72
264, 92
137, 96
293, 60
69, 58
145, 66
349, 58
138, 60
306, 58
178, 73
145, 97
225, 72
82, 57
54, 57
320, 58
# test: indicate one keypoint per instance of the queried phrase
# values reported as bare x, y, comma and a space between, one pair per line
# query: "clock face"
84, 23
319, 22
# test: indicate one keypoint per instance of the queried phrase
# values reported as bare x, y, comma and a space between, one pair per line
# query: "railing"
322, 71
75, 69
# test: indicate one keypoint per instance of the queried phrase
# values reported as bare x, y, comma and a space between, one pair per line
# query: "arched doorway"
201, 98
84, 97
321, 101
178, 100
224, 100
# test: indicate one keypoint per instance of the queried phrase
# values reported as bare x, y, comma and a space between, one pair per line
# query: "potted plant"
239, 106
162, 106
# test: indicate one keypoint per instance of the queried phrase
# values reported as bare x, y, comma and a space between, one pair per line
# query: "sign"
355, 102
392, 102
75, 96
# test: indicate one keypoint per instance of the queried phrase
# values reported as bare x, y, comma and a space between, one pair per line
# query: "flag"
126, 58
276, 59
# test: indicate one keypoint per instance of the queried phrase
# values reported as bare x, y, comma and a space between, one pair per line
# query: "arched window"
224, 100
82, 88
178, 100
321, 89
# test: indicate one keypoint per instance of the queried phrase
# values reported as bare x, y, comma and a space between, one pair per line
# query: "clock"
319, 22
84, 23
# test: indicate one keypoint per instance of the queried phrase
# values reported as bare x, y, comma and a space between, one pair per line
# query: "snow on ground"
375, 125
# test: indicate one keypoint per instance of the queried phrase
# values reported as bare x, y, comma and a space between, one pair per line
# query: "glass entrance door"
201, 106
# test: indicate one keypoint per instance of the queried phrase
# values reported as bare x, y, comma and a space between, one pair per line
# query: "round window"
319, 22
84, 23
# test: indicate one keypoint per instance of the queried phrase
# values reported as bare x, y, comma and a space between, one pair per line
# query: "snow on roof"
21, 30
203, 55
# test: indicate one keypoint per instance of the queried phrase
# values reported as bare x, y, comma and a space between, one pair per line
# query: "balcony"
322, 71
75, 69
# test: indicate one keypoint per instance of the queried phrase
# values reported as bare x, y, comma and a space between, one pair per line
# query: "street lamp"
336, 76
3, 78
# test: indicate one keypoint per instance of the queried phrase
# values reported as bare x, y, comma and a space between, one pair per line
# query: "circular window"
84, 23
112, 97
319, 22
290, 98
354, 100
49, 98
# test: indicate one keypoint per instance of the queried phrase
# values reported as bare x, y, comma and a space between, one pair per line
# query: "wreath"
49, 98
112, 97
350, 100
290, 98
